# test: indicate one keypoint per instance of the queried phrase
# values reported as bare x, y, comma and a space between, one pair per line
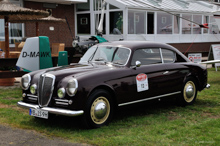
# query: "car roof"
137, 44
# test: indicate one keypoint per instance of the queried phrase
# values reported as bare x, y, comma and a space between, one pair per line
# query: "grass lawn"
152, 123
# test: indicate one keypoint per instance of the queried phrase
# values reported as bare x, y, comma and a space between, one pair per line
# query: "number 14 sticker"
142, 82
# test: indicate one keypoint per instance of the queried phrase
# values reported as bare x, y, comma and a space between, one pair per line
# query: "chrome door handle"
166, 72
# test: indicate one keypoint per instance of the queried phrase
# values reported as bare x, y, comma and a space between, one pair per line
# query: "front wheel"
189, 92
98, 110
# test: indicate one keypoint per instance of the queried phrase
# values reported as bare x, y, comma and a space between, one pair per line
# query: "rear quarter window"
168, 56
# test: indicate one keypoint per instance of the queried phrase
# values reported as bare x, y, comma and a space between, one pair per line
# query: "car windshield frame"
108, 54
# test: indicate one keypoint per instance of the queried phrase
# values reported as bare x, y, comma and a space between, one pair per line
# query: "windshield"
116, 55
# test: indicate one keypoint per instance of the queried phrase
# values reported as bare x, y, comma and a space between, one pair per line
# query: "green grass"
152, 123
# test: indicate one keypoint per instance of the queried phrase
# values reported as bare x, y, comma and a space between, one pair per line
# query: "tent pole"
6, 37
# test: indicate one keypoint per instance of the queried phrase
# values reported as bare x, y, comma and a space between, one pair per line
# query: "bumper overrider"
208, 86
57, 111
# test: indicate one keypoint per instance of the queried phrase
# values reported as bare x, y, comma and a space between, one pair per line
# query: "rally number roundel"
141, 77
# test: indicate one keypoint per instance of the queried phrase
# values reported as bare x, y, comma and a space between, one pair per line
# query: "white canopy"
189, 6
60, 1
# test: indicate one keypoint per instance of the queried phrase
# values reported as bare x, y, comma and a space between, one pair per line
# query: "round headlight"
61, 93
25, 81
33, 89
72, 86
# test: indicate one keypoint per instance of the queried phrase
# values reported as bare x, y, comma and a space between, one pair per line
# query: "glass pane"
136, 22
110, 54
97, 19
150, 23
186, 25
164, 23
2, 28
83, 6
88, 54
213, 27
112, 7
196, 28
83, 23
15, 30
176, 24
205, 20
121, 56
116, 22
146, 56
168, 56
97, 4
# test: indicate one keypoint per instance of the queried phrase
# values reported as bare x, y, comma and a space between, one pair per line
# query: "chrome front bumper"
57, 111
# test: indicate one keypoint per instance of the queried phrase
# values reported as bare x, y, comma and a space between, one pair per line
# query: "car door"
150, 78
175, 70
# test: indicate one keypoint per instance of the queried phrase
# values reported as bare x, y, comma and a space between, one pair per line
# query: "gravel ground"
19, 137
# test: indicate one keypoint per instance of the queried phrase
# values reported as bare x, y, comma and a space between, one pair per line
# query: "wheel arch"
195, 77
108, 89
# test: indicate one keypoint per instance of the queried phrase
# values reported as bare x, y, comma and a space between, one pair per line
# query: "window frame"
161, 56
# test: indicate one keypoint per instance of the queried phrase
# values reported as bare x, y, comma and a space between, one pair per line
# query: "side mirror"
138, 63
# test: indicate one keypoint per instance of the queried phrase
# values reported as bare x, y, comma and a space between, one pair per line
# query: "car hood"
77, 69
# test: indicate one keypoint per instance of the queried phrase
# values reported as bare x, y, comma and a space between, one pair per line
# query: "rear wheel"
99, 109
189, 92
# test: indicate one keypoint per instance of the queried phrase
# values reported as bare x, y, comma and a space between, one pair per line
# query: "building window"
116, 22
150, 23
176, 24
186, 24
83, 6
15, 32
196, 27
164, 23
136, 22
213, 27
83, 24
97, 4
205, 20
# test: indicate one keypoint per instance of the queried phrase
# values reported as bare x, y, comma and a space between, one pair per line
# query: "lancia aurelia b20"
111, 75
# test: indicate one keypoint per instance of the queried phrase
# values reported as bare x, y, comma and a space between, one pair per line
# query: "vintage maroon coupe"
111, 75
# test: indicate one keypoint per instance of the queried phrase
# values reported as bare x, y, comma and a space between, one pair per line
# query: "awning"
185, 6
68, 2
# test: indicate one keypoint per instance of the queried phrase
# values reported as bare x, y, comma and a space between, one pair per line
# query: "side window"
147, 56
168, 56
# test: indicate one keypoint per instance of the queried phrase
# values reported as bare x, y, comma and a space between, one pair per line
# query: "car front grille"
46, 86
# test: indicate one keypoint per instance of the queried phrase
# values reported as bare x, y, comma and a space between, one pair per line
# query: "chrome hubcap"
100, 110
189, 91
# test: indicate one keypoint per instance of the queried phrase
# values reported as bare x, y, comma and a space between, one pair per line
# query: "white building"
153, 20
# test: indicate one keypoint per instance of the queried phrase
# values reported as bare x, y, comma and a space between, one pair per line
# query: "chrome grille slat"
46, 83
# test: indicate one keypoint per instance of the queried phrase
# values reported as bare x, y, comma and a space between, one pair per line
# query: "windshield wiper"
119, 63
100, 59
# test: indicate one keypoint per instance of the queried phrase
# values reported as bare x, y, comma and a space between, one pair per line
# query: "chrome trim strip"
61, 103
30, 95
52, 110
62, 100
52, 88
155, 97
32, 98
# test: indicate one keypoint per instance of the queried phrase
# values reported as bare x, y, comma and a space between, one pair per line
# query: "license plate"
38, 113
